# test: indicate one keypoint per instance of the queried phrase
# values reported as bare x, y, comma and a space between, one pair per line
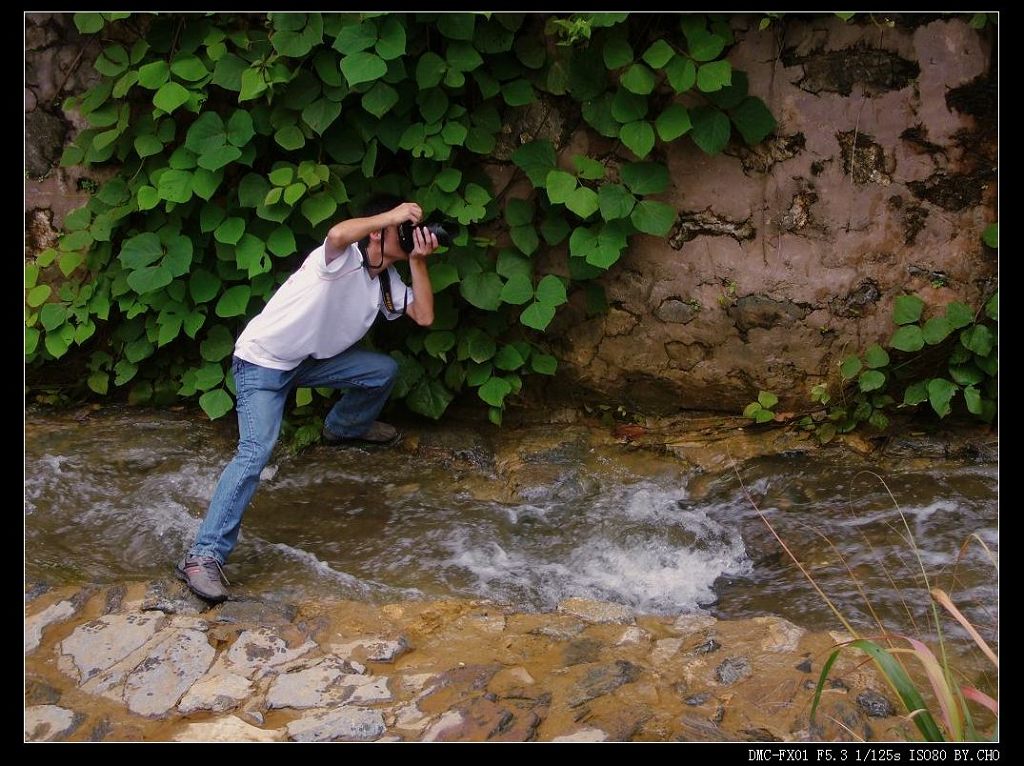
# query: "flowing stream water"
119, 495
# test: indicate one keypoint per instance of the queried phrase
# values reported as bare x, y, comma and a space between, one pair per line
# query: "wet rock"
44, 141
367, 690
39, 692
581, 650
513, 682
708, 646
781, 636
217, 693
100, 731
665, 650
411, 717
695, 729
677, 311
172, 597
34, 590
602, 680
706, 223
733, 670
258, 613
760, 735
633, 635
854, 303
953, 192
837, 71
35, 624
346, 724
155, 685
259, 651
48, 723
114, 599
228, 729
583, 735
774, 149
752, 311
596, 611
372, 649
449, 720
805, 666
875, 705
319, 686
697, 699
99, 644
865, 159
481, 719
686, 624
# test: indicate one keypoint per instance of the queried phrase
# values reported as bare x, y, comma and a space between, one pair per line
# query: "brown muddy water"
527, 517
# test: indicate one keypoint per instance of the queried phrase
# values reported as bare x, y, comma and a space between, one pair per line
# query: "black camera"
444, 239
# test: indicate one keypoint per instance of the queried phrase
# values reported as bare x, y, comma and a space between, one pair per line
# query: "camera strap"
385, 292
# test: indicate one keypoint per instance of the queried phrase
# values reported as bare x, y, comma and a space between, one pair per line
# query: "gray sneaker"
378, 433
203, 576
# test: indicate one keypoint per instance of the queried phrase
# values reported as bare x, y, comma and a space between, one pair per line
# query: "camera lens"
405, 239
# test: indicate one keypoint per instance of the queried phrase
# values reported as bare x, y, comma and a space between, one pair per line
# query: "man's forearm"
345, 233
422, 308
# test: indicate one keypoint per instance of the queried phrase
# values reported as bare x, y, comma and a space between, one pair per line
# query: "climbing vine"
238, 139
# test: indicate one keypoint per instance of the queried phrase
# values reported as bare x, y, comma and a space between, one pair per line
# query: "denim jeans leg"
261, 397
369, 376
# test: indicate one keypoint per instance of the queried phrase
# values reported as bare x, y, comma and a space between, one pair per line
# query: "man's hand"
424, 242
407, 211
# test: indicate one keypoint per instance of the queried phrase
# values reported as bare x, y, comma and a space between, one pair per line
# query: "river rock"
45, 723
732, 670
35, 624
99, 644
345, 723
372, 649
216, 693
228, 729
603, 679
319, 686
780, 635
156, 685
583, 735
596, 611
259, 651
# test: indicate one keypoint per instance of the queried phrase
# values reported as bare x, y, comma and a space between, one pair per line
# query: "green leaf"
992, 307
751, 410
714, 76
991, 235
189, 67
69, 262
322, 113
124, 371
175, 186
52, 315
518, 212
638, 79
494, 391
583, 202
681, 73
753, 120
518, 290
88, 23
767, 399
560, 185
203, 286
536, 159
216, 403
537, 315
31, 340
703, 45
871, 380
958, 315
448, 180
645, 177
483, 290
99, 382
437, 343
153, 75
252, 84
429, 70
281, 242
141, 250
463, 57
442, 275
392, 42
294, 193
875, 357
457, 26
170, 96
628, 107
218, 344
617, 53
430, 398
150, 278
204, 183
907, 309
545, 364
551, 290
936, 330
850, 367
615, 201
112, 61
653, 217
908, 338
658, 54
290, 137
711, 129
230, 231
940, 393
234, 301
517, 93
966, 374
973, 398
978, 339
525, 238
673, 122
638, 137
509, 358
587, 168
319, 207
363, 67
916, 393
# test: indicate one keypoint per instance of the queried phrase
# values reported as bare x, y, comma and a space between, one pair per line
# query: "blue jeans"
260, 401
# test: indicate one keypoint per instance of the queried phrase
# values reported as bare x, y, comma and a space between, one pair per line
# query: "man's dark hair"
380, 203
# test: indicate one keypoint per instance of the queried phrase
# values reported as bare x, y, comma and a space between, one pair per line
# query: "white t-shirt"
321, 310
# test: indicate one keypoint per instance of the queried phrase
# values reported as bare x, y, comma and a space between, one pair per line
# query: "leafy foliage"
238, 140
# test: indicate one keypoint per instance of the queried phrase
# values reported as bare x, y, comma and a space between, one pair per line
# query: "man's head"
389, 247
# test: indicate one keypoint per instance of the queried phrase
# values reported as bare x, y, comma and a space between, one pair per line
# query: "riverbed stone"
46, 723
37, 623
599, 680
596, 611
155, 686
216, 693
227, 729
372, 649
664, 650
258, 652
589, 734
348, 724
633, 635
875, 704
256, 612
780, 635
318, 686
103, 642
685, 624
732, 670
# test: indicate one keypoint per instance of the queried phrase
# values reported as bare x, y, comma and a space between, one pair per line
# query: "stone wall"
788, 257
785, 258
